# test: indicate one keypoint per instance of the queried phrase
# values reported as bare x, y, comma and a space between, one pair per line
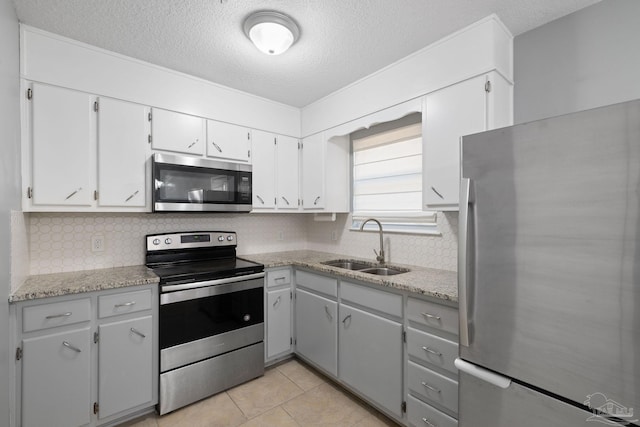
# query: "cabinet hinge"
291, 341
275, 141
403, 407
18, 353
249, 153
29, 192
275, 200
404, 336
298, 202
96, 106
96, 337
149, 116
149, 139
487, 86
29, 93
290, 294
95, 195
248, 136
299, 146
96, 407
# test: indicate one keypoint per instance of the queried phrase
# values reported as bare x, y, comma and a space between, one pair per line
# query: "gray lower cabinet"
278, 314
370, 356
316, 330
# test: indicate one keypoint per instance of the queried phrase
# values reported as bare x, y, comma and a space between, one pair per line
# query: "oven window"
191, 320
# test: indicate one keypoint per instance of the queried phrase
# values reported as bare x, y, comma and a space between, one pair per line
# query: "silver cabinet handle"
125, 304
260, 198
430, 387
432, 351
137, 332
431, 316
276, 302
429, 423
193, 143
217, 146
285, 200
53, 316
132, 196
279, 278
315, 202
326, 310
72, 347
346, 318
437, 192
73, 194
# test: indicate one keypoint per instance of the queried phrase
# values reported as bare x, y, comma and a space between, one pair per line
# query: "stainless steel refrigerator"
549, 272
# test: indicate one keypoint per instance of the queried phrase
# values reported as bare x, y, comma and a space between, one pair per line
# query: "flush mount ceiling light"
271, 32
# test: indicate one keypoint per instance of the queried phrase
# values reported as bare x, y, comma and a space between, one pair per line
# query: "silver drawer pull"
72, 347
430, 387
431, 316
326, 309
125, 304
279, 278
54, 316
346, 318
137, 332
432, 351
132, 196
429, 423
217, 146
260, 198
285, 200
276, 302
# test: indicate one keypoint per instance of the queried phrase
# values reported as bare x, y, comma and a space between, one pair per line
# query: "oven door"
182, 183
206, 321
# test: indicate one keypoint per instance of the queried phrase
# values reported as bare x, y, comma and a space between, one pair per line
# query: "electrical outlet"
97, 243
334, 235
280, 235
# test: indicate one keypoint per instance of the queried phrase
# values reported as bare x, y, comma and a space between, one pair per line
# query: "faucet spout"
379, 255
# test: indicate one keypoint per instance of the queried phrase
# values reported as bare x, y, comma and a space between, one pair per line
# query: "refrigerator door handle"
482, 373
463, 278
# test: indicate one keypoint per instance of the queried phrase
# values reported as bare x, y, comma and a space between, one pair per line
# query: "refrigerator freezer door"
552, 268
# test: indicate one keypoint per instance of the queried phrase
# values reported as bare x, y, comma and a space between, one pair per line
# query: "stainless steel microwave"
191, 184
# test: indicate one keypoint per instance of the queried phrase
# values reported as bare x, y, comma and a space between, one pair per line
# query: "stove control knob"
230, 238
168, 240
156, 242
220, 238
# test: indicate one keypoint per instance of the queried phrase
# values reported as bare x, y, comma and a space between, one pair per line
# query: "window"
387, 177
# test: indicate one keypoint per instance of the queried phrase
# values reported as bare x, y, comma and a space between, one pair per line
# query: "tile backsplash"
59, 242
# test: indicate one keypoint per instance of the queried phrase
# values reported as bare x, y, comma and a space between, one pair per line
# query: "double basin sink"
364, 267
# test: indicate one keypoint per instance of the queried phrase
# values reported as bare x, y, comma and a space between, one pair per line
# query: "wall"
428, 251
583, 60
9, 182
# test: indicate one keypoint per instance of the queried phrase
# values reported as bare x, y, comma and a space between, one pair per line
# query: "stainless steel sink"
364, 267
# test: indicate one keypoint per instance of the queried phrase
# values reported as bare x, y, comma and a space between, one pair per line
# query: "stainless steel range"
211, 315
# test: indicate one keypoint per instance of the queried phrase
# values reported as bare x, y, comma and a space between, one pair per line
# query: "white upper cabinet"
123, 129
468, 107
178, 132
264, 171
313, 172
287, 173
227, 141
62, 146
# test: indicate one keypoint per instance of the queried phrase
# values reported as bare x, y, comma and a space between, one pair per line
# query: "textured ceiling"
341, 40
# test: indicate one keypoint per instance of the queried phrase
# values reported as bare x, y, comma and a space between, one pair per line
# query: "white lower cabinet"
278, 314
76, 367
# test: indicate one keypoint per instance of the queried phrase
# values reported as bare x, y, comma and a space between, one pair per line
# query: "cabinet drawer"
55, 314
125, 302
433, 315
420, 414
431, 349
278, 277
433, 386
322, 284
376, 299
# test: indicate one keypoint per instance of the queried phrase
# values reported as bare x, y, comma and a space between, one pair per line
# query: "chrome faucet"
379, 255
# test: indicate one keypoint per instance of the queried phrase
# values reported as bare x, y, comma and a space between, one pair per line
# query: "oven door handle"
185, 286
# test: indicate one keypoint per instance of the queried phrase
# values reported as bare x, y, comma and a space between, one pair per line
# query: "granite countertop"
441, 284
75, 282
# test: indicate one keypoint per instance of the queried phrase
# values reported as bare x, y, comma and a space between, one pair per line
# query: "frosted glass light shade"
271, 32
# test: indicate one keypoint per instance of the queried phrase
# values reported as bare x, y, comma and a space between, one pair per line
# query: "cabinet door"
313, 165
264, 171
56, 379
228, 141
370, 357
122, 153
449, 114
316, 330
278, 322
287, 173
182, 133
125, 374
63, 146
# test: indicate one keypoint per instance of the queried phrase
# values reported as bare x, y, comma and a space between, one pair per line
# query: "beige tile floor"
288, 395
